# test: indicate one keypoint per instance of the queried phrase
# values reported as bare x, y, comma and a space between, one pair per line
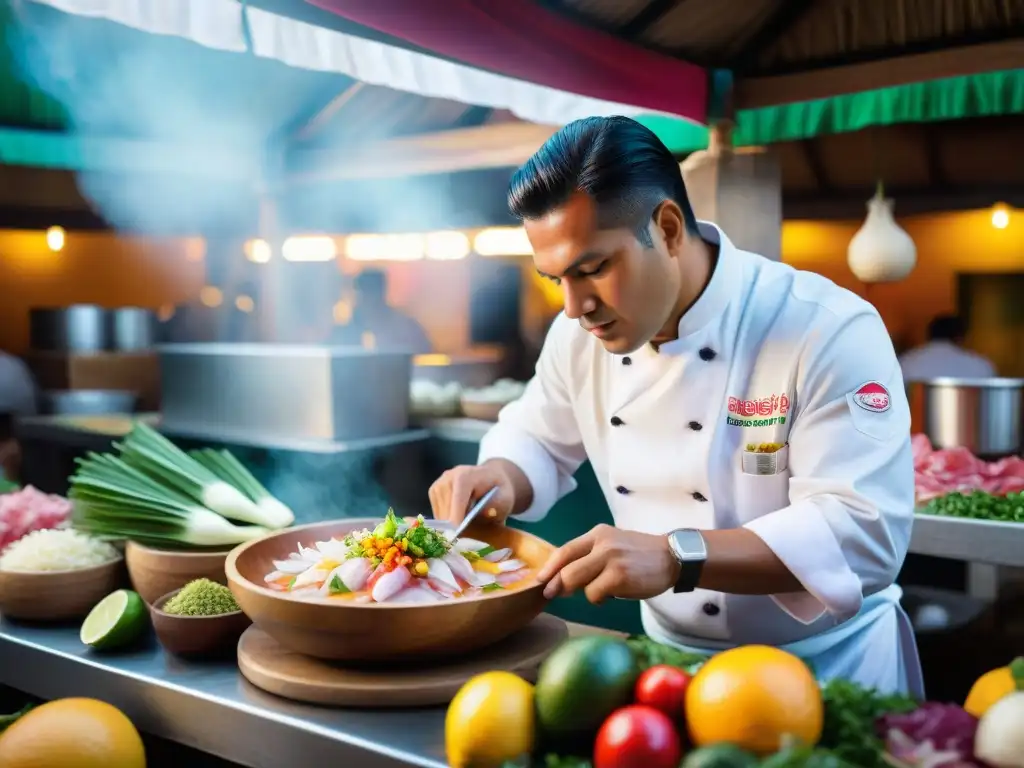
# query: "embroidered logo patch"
872, 397
760, 412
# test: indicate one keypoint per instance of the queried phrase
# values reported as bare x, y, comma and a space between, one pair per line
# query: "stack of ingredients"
26, 509
154, 493
956, 483
603, 702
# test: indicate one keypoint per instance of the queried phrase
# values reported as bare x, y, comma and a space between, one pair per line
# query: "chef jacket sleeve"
847, 528
538, 432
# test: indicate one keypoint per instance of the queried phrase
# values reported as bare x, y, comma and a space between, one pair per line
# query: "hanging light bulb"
881, 251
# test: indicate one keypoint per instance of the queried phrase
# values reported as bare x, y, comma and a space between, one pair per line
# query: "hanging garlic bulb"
881, 251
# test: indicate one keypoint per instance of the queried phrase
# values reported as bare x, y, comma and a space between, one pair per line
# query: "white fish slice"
274, 576
415, 595
333, 549
498, 555
354, 573
509, 578
468, 545
291, 567
310, 577
390, 584
460, 566
439, 571
510, 565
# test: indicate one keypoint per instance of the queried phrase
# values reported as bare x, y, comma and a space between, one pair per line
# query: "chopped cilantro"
491, 587
337, 587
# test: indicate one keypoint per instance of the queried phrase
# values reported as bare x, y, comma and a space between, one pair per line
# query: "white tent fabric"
219, 24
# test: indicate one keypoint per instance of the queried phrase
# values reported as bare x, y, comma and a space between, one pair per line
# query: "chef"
747, 422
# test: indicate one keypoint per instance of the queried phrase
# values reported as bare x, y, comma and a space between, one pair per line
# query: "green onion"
149, 452
114, 500
225, 466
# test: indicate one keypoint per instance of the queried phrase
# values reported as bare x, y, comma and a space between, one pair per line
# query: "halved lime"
115, 621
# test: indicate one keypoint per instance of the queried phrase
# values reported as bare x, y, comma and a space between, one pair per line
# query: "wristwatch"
688, 547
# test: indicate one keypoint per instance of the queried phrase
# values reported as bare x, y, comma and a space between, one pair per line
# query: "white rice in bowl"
55, 549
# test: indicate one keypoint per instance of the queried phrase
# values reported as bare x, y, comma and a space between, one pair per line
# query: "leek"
149, 452
112, 500
225, 466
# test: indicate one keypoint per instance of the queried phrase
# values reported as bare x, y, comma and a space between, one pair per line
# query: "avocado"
582, 682
720, 756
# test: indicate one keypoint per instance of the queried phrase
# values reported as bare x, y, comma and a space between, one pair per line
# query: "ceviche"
399, 561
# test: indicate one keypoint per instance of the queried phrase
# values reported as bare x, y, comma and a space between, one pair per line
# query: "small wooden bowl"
58, 595
155, 572
354, 632
211, 636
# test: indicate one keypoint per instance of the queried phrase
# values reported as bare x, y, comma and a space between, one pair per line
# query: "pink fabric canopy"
523, 40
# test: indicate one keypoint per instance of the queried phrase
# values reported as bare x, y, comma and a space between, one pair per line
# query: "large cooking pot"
983, 415
78, 328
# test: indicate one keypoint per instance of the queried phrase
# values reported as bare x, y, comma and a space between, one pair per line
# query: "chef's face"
619, 289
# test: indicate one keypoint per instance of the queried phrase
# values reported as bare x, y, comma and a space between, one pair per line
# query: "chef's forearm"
740, 563
522, 489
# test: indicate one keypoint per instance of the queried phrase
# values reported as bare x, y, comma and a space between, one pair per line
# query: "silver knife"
472, 514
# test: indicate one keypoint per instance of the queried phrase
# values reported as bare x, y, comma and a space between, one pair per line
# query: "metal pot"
133, 329
87, 402
79, 328
983, 415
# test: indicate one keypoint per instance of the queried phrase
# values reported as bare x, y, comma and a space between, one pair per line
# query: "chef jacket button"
711, 609
707, 354
699, 496
617, 422
622, 489
627, 361
696, 426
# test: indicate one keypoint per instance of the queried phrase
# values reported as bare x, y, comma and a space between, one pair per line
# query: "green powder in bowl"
202, 597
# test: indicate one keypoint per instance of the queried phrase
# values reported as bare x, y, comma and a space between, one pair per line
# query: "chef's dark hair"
618, 162
371, 282
947, 328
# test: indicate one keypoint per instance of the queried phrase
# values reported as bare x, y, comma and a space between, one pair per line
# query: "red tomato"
664, 688
637, 736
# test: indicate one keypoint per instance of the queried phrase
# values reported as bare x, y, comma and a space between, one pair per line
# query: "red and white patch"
872, 397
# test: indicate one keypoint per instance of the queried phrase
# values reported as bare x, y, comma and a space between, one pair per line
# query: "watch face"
689, 545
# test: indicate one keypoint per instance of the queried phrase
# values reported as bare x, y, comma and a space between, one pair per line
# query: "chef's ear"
669, 219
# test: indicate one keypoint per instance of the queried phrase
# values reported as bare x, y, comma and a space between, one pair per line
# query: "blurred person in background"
371, 314
17, 398
944, 354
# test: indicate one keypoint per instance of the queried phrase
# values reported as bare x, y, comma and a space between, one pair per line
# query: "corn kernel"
388, 542
403, 545
421, 568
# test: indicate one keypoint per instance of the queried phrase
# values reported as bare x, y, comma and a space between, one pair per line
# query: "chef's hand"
610, 562
452, 494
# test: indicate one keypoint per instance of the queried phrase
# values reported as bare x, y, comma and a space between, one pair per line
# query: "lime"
115, 621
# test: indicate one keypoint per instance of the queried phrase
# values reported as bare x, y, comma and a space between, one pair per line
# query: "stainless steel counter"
974, 541
211, 707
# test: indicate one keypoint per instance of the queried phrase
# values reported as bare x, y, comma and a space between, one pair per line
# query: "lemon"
72, 733
490, 721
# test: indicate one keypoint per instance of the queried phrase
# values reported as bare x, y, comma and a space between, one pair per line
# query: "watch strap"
691, 557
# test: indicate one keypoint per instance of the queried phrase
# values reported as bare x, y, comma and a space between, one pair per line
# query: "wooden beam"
647, 17
488, 146
933, 157
784, 19
75, 219
755, 92
850, 205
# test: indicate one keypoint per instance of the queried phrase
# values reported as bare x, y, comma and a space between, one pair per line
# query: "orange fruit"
754, 697
993, 686
72, 733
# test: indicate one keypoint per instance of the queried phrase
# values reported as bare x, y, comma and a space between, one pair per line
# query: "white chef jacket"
937, 359
766, 354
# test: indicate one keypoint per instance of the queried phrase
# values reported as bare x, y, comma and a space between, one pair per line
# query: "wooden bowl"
58, 595
349, 631
155, 572
483, 410
209, 636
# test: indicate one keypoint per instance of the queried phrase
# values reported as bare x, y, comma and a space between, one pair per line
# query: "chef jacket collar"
724, 284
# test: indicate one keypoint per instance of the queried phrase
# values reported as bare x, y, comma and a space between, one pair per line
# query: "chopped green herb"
337, 587
491, 587
485, 551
